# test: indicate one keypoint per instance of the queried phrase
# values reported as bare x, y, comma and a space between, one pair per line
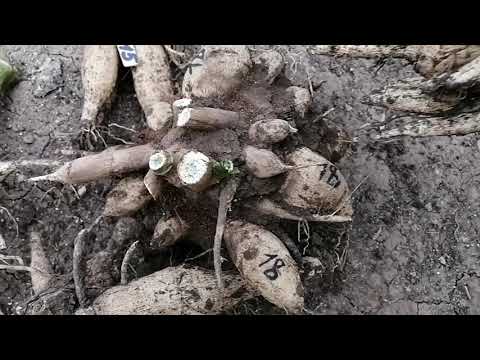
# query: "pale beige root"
195, 171
204, 118
126, 262
272, 61
315, 184
78, 268
172, 291
463, 124
270, 208
102, 165
409, 95
42, 272
154, 184
265, 264
216, 71
465, 76
168, 231
226, 197
127, 197
153, 85
270, 131
263, 163
99, 76
302, 99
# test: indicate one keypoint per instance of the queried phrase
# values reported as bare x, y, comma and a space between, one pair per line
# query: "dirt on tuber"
168, 231
217, 70
266, 132
172, 291
127, 197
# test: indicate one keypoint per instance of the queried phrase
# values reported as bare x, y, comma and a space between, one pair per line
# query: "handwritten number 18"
273, 273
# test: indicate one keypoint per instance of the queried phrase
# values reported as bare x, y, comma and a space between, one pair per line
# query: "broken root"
226, 197
78, 252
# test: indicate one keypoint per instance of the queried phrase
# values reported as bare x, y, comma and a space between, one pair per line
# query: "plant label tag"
128, 54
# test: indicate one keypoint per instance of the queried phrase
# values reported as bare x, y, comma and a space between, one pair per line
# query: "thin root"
12, 218
349, 196
18, 259
226, 197
126, 262
78, 252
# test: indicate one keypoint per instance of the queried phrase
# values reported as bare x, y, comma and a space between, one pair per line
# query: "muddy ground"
414, 244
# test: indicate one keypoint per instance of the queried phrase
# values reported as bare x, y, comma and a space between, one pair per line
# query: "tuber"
266, 264
273, 63
172, 291
263, 163
129, 196
216, 71
168, 231
154, 184
301, 99
99, 76
102, 165
315, 184
270, 131
153, 86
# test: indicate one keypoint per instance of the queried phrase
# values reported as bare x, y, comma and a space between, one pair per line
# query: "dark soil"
412, 248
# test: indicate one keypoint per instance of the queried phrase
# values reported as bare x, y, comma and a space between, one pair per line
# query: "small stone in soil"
28, 139
82, 191
49, 78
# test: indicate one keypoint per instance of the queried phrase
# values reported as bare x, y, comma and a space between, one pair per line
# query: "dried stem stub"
204, 118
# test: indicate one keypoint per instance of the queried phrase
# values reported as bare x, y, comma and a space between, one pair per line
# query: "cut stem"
208, 119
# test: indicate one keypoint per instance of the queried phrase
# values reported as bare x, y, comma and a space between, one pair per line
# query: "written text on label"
128, 55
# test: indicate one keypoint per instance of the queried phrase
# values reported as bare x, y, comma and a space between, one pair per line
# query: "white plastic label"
128, 54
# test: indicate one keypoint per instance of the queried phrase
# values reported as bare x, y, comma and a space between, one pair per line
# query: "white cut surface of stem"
182, 103
184, 117
193, 167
